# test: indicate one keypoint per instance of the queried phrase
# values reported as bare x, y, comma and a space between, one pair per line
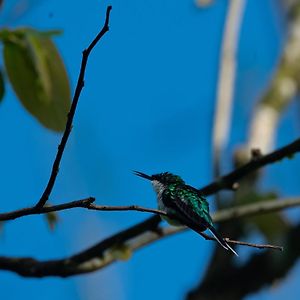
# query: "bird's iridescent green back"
190, 197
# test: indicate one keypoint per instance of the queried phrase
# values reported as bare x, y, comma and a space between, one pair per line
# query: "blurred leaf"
50, 33
121, 252
271, 226
253, 197
52, 219
2, 86
37, 75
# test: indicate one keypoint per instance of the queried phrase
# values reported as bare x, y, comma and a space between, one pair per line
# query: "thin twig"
127, 208
255, 209
259, 246
232, 213
233, 242
80, 83
83, 203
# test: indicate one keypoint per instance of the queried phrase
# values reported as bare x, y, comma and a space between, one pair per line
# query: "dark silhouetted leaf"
52, 219
37, 75
271, 226
2, 87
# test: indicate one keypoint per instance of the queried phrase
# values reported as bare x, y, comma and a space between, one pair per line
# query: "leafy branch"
230, 181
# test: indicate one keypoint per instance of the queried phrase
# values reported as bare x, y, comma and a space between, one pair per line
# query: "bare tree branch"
255, 209
83, 203
231, 179
127, 208
234, 242
133, 238
66, 134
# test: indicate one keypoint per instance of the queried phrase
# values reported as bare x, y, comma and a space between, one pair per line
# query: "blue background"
147, 105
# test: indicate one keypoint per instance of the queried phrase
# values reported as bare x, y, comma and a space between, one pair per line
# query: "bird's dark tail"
220, 240
203, 225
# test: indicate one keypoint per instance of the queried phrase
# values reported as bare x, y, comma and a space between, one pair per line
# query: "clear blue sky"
147, 105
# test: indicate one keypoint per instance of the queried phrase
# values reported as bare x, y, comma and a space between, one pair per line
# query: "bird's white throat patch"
159, 188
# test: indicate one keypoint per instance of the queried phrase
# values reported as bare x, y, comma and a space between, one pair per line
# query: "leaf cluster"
36, 72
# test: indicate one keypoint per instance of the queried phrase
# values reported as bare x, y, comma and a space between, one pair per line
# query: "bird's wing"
192, 207
189, 216
197, 219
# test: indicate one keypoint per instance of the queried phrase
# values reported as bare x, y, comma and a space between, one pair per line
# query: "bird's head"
163, 179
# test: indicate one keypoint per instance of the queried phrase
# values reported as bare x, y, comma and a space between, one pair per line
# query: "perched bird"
184, 203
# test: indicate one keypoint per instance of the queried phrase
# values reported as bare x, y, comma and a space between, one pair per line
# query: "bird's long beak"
143, 175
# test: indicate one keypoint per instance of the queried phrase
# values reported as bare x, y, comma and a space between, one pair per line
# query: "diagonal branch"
230, 180
66, 134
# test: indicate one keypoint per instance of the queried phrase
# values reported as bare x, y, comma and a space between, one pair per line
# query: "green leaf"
2, 86
271, 226
38, 76
52, 219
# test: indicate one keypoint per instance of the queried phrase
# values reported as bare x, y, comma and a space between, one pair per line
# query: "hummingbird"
184, 204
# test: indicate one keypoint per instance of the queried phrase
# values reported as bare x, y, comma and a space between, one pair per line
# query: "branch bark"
230, 180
